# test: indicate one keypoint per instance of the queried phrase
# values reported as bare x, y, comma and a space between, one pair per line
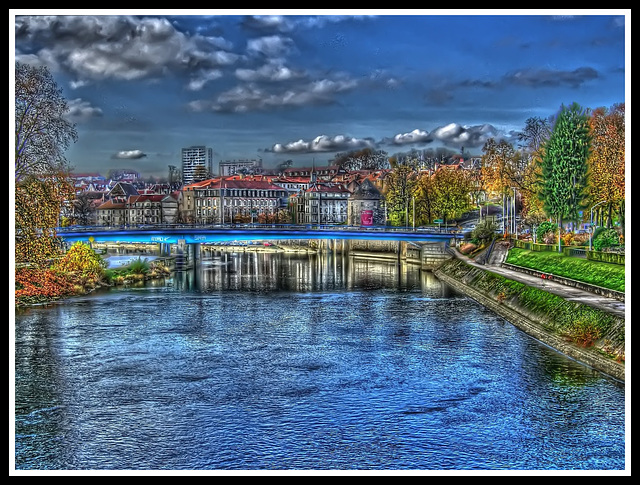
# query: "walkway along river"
274, 361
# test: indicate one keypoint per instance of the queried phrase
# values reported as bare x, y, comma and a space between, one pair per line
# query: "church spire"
313, 172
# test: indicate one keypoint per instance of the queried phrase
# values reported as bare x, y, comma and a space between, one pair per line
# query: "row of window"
237, 203
240, 193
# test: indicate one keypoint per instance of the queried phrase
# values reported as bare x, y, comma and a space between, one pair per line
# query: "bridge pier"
432, 254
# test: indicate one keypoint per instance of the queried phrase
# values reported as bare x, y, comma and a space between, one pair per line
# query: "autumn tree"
424, 193
451, 193
564, 164
533, 139
606, 163
42, 186
399, 190
502, 170
38, 203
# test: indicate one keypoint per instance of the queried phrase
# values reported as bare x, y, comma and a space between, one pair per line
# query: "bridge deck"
247, 232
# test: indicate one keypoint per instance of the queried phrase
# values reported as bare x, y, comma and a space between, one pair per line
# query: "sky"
305, 85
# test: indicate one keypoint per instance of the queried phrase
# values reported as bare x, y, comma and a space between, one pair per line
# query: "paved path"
567, 292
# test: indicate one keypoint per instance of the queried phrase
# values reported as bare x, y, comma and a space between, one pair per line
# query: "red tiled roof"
110, 204
234, 183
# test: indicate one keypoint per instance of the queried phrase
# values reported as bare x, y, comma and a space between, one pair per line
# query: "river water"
267, 361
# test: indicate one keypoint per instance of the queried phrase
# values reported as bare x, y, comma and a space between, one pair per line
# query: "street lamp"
591, 223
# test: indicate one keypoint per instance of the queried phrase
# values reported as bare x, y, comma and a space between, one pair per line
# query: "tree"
424, 193
399, 188
606, 162
38, 202
365, 159
564, 164
451, 190
501, 166
536, 132
83, 209
42, 132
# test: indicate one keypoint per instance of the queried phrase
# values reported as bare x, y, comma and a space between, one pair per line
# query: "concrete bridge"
429, 244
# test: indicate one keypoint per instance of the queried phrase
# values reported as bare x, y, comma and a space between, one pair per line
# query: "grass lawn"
606, 275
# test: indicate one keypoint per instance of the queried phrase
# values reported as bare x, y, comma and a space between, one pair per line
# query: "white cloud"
324, 143
415, 136
270, 46
81, 110
116, 47
130, 154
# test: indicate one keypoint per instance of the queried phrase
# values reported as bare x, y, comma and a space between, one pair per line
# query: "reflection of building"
365, 206
196, 163
235, 167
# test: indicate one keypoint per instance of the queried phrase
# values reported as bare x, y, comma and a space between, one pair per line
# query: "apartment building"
229, 200
197, 162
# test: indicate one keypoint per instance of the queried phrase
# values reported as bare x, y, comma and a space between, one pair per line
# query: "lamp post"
591, 223
414, 212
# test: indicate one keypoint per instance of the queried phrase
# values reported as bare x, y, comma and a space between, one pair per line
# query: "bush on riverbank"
138, 270
79, 271
606, 275
35, 285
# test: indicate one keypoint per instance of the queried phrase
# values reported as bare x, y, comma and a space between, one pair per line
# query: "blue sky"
298, 85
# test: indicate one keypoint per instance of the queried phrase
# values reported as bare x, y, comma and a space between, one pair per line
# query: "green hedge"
605, 257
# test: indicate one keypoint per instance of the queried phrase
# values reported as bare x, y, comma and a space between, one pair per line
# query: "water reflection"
302, 272
278, 361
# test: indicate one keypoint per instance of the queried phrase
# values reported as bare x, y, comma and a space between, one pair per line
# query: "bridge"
212, 233
426, 245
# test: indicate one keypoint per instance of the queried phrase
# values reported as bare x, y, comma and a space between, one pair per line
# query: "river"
271, 361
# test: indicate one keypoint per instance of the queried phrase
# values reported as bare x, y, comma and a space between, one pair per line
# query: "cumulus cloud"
456, 135
279, 23
117, 47
323, 143
414, 137
198, 82
81, 110
271, 72
270, 46
273, 23
129, 154
252, 97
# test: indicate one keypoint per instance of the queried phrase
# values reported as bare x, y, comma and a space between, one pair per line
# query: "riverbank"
584, 333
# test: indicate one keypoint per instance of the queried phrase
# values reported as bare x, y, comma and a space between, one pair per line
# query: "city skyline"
278, 86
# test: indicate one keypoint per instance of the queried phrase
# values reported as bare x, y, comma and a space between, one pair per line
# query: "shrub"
139, 266
484, 231
605, 239
40, 285
81, 261
545, 229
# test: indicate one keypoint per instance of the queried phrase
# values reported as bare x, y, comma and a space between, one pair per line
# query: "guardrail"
248, 226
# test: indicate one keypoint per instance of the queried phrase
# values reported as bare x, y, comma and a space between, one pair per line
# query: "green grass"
606, 275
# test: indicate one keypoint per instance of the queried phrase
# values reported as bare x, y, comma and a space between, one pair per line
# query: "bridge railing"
248, 226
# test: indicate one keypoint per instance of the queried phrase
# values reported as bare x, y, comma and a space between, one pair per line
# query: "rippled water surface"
257, 362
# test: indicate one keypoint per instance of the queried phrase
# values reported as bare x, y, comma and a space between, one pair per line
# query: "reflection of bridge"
429, 244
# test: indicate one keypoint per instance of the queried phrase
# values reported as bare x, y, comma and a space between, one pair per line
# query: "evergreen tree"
564, 164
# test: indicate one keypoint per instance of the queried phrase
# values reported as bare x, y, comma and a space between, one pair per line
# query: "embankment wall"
566, 326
